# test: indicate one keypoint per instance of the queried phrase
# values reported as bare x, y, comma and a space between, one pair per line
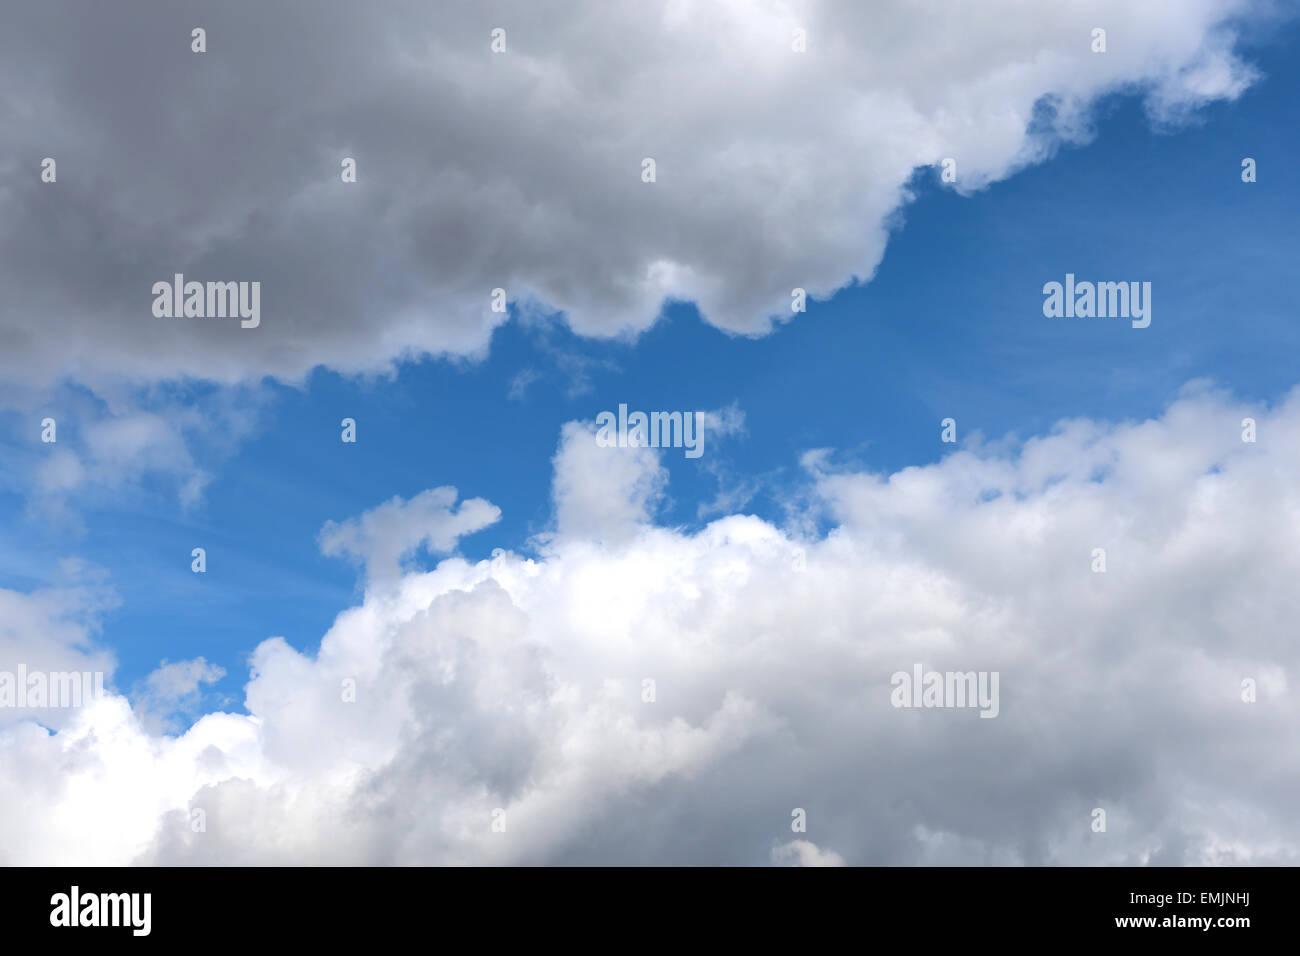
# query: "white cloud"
171, 682
382, 538
804, 853
173, 690
518, 683
118, 440
54, 629
604, 494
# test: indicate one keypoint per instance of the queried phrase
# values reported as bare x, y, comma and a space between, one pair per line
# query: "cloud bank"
656, 696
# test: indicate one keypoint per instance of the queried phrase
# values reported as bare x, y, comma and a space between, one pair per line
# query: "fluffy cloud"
174, 690
519, 170
519, 683
382, 538
602, 496
54, 629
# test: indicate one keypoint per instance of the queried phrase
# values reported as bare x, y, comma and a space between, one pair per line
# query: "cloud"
55, 629
804, 853
604, 494
519, 170
120, 440
173, 690
119, 449
724, 421
383, 537
664, 696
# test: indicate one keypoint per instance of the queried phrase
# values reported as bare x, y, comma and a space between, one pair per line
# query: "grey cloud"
518, 170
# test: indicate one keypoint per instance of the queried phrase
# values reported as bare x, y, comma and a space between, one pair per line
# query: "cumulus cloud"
519, 170
382, 538
603, 496
671, 697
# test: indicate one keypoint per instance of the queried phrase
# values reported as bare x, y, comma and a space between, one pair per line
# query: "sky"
498, 587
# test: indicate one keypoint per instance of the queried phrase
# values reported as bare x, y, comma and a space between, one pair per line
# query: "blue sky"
950, 325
